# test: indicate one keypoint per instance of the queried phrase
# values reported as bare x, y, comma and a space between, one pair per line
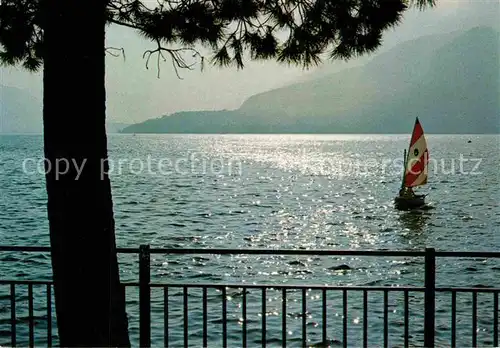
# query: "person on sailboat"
409, 192
406, 192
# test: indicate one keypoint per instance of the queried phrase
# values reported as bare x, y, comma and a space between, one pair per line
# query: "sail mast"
404, 170
406, 155
411, 139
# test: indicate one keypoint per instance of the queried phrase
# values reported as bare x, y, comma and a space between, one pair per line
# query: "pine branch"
125, 24
176, 55
343, 28
111, 49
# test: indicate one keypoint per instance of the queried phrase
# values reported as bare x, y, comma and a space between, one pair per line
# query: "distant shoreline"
271, 133
187, 133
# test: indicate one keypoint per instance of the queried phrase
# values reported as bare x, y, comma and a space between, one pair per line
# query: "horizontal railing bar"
127, 250
468, 254
467, 289
278, 286
26, 282
317, 252
46, 249
29, 249
308, 252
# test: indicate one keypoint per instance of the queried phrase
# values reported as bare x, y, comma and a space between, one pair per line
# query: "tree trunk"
90, 302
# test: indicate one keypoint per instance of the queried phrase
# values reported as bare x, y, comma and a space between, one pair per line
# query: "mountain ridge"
22, 113
446, 79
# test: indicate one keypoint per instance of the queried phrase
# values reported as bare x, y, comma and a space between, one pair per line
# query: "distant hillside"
115, 127
20, 112
450, 81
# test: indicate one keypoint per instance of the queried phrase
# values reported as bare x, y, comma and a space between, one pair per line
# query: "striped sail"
417, 158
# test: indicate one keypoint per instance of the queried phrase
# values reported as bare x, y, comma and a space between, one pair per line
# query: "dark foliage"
229, 28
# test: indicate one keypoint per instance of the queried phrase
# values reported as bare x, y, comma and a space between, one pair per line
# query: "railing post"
144, 296
430, 297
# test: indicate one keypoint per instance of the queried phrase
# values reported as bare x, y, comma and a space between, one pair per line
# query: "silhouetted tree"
66, 37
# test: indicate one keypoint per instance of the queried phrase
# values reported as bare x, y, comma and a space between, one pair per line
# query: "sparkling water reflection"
275, 191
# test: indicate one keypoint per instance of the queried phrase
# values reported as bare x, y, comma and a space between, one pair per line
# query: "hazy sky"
135, 93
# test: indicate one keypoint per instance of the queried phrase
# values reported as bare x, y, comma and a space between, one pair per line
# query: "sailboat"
415, 172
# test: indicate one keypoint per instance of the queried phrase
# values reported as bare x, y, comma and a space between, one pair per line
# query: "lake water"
274, 191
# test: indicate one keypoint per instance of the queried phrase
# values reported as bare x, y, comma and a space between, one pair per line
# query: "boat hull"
406, 203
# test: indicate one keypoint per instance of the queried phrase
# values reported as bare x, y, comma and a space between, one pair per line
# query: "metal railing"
285, 292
